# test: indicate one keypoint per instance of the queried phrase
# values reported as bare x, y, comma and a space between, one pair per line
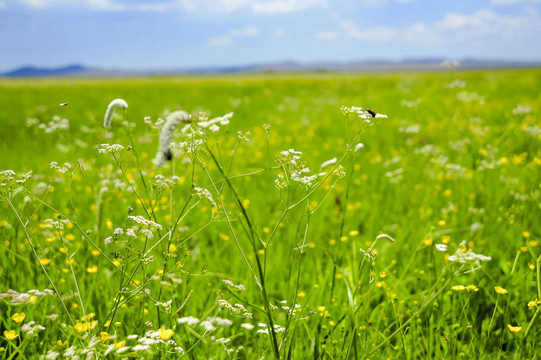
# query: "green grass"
443, 171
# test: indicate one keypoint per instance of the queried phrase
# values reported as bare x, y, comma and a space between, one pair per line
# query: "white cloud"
229, 38
286, 6
329, 35
452, 29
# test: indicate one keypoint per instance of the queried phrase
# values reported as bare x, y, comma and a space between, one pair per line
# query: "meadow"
300, 226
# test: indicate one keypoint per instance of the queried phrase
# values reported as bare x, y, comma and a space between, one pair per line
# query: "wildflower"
106, 148
172, 121
247, 326
188, 320
522, 109
441, 247
500, 290
458, 288
92, 269
10, 334
472, 288
18, 317
104, 336
140, 348
165, 334
532, 304
467, 256
31, 329
238, 287
51, 355
514, 329
144, 222
120, 344
207, 325
113, 105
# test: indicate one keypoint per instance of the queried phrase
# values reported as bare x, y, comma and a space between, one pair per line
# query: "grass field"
424, 242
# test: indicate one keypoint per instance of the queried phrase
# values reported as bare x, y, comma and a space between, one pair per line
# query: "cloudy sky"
173, 34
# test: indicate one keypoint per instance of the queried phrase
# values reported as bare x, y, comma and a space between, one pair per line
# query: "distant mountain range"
426, 64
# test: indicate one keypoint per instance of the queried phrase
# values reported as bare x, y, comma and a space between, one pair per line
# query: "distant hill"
374, 65
31, 71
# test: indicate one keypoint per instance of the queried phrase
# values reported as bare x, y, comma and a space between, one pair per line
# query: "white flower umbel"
467, 256
172, 121
213, 124
113, 105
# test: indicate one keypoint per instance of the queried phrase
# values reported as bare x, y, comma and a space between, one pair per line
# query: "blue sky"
176, 34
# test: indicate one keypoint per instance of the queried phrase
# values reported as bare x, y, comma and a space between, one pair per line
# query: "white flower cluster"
10, 177
466, 96
296, 170
32, 328
264, 329
144, 222
366, 115
456, 84
30, 297
291, 311
106, 148
467, 256
236, 309
204, 193
522, 109
243, 136
238, 287
213, 124
161, 182
209, 324
60, 169
57, 123
58, 225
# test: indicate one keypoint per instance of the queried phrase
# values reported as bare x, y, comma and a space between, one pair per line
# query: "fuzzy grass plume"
113, 105
171, 123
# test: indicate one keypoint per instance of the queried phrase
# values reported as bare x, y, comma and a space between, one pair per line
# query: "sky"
188, 34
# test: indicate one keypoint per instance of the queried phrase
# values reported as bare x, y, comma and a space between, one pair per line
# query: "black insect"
371, 112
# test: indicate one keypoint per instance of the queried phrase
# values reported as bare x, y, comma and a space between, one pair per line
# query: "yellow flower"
458, 287
172, 247
104, 336
514, 329
354, 233
18, 317
500, 290
81, 327
532, 304
321, 309
301, 294
526, 234
92, 269
44, 261
472, 288
62, 344
120, 344
165, 334
10, 335
428, 241
88, 316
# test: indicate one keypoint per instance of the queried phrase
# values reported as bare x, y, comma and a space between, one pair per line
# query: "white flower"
140, 348
441, 247
238, 287
522, 109
113, 105
188, 320
106, 148
207, 325
144, 222
247, 326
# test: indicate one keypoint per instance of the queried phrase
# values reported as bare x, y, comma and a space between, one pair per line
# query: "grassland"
311, 271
